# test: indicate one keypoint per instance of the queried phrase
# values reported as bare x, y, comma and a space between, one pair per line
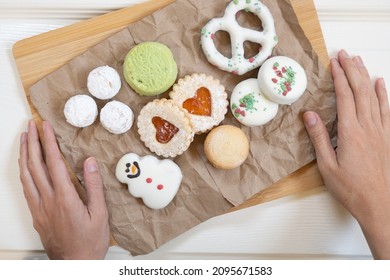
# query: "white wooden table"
310, 225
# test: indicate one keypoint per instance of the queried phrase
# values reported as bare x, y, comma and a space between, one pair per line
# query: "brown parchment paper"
276, 149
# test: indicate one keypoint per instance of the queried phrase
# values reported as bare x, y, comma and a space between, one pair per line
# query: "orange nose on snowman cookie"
238, 64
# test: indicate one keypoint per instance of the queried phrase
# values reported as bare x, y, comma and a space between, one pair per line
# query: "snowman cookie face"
155, 181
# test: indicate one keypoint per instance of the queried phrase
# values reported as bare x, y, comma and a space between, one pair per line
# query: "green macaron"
150, 69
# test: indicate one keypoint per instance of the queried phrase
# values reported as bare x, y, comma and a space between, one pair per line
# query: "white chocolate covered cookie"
249, 106
204, 98
238, 64
282, 80
155, 181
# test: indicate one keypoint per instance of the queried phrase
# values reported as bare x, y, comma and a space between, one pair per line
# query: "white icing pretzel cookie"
238, 64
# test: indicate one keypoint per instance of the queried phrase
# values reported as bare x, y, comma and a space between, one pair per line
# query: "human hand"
68, 228
357, 174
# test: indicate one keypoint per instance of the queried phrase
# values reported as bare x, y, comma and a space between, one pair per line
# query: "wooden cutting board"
40, 55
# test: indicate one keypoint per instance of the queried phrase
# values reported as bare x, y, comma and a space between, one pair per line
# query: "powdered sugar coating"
116, 117
80, 110
104, 82
187, 87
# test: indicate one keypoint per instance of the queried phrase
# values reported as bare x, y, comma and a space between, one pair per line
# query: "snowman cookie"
249, 106
155, 181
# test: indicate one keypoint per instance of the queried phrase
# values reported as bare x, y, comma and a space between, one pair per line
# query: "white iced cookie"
238, 64
155, 181
204, 98
116, 117
104, 82
249, 106
80, 110
282, 80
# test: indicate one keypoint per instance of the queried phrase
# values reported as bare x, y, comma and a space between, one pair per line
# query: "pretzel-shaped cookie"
238, 64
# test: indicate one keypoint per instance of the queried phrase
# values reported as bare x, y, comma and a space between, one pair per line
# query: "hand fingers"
366, 84
29, 188
326, 156
55, 164
94, 185
360, 85
383, 100
36, 165
346, 110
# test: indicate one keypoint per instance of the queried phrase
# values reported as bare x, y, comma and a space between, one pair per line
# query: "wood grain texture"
40, 55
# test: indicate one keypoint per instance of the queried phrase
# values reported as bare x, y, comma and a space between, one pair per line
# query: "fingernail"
91, 165
344, 54
310, 119
358, 61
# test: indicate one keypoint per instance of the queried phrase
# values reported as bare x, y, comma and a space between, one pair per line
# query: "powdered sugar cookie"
282, 80
116, 117
165, 128
249, 106
155, 181
80, 110
238, 64
104, 82
204, 98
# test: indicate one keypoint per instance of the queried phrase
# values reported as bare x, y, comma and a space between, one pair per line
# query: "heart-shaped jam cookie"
165, 131
200, 104
204, 98
165, 128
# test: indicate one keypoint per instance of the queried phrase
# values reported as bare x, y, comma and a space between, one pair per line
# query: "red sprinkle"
149, 180
160, 187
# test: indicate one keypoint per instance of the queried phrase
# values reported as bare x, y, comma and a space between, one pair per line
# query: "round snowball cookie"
116, 117
226, 147
249, 106
282, 80
80, 110
104, 82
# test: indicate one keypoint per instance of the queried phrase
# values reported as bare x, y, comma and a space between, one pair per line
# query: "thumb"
320, 138
94, 186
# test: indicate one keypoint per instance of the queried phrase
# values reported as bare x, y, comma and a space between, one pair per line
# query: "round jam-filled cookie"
249, 106
282, 80
150, 69
165, 128
155, 181
116, 117
226, 147
80, 110
104, 82
239, 64
204, 98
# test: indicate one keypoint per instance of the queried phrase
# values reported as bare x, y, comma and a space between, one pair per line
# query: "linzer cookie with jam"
165, 128
204, 98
